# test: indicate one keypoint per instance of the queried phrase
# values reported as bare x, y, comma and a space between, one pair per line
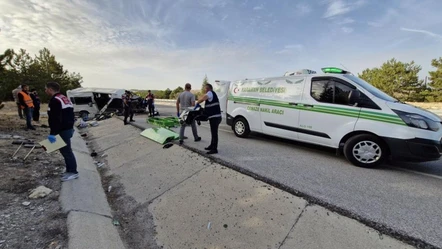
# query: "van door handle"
293, 103
308, 105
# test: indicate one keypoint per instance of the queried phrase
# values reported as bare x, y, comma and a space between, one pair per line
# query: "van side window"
330, 91
82, 100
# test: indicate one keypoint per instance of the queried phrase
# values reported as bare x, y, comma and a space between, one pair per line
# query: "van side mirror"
354, 96
90, 104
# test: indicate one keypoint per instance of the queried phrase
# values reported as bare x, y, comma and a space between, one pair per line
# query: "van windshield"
373, 90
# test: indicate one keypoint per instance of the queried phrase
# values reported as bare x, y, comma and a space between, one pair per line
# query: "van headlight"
418, 121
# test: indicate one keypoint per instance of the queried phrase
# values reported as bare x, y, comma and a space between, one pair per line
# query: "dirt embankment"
25, 222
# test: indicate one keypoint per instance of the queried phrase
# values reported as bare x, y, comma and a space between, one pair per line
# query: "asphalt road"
403, 197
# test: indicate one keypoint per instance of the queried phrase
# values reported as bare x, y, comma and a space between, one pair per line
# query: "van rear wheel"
365, 150
241, 127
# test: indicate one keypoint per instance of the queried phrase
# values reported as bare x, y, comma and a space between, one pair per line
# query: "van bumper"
415, 150
229, 120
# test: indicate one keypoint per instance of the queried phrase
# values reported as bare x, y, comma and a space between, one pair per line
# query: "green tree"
205, 82
21, 68
167, 93
176, 92
434, 91
397, 79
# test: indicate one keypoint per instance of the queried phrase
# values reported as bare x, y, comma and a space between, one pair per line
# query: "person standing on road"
36, 101
213, 112
128, 109
185, 100
150, 105
15, 95
27, 105
61, 122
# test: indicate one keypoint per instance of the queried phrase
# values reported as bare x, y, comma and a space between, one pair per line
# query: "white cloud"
258, 7
425, 32
339, 7
291, 49
336, 8
345, 21
347, 30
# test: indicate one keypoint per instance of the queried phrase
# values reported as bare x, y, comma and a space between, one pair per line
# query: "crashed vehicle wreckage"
95, 103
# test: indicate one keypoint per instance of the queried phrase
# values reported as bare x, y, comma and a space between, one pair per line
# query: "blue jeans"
66, 152
29, 112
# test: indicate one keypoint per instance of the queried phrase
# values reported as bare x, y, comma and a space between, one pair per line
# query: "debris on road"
40, 192
168, 145
116, 223
26, 203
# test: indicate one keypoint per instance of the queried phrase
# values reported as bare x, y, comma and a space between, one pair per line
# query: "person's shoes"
185, 137
181, 142
132, 120
210, 152
69, 176
31, 128
125, 123
208, 148
197, 139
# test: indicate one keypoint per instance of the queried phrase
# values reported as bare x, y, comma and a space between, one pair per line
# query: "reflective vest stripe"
210, 105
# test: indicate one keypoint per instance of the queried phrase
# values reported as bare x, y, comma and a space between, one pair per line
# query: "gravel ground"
29, 223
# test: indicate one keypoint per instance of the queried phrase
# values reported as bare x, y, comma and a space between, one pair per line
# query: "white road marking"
417, 172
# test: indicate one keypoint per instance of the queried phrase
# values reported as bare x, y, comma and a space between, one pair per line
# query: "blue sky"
155, 44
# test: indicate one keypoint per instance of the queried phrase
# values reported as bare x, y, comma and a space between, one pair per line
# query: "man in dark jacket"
213, 111
36, 100
61, 122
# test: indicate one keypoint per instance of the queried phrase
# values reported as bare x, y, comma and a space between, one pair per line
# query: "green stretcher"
167, 122
160, 135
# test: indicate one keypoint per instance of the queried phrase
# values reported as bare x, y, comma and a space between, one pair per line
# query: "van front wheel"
365, 150
241, 127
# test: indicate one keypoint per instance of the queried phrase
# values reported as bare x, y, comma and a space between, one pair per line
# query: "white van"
89, 102
338, 110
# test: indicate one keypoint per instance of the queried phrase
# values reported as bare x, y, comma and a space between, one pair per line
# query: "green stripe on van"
342, 111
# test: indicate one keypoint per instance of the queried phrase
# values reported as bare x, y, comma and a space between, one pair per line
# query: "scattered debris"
99, 165
208, 225
93, 123
109, 189
5, 136
94, 154
167, 146
225, 226
26, 203
84, 135
116, 223
40, 192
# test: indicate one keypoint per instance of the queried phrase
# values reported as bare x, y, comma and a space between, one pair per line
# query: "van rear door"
221, 88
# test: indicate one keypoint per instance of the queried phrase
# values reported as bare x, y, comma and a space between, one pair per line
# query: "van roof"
83, 90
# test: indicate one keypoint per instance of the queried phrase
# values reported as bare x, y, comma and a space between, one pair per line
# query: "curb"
84, 201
